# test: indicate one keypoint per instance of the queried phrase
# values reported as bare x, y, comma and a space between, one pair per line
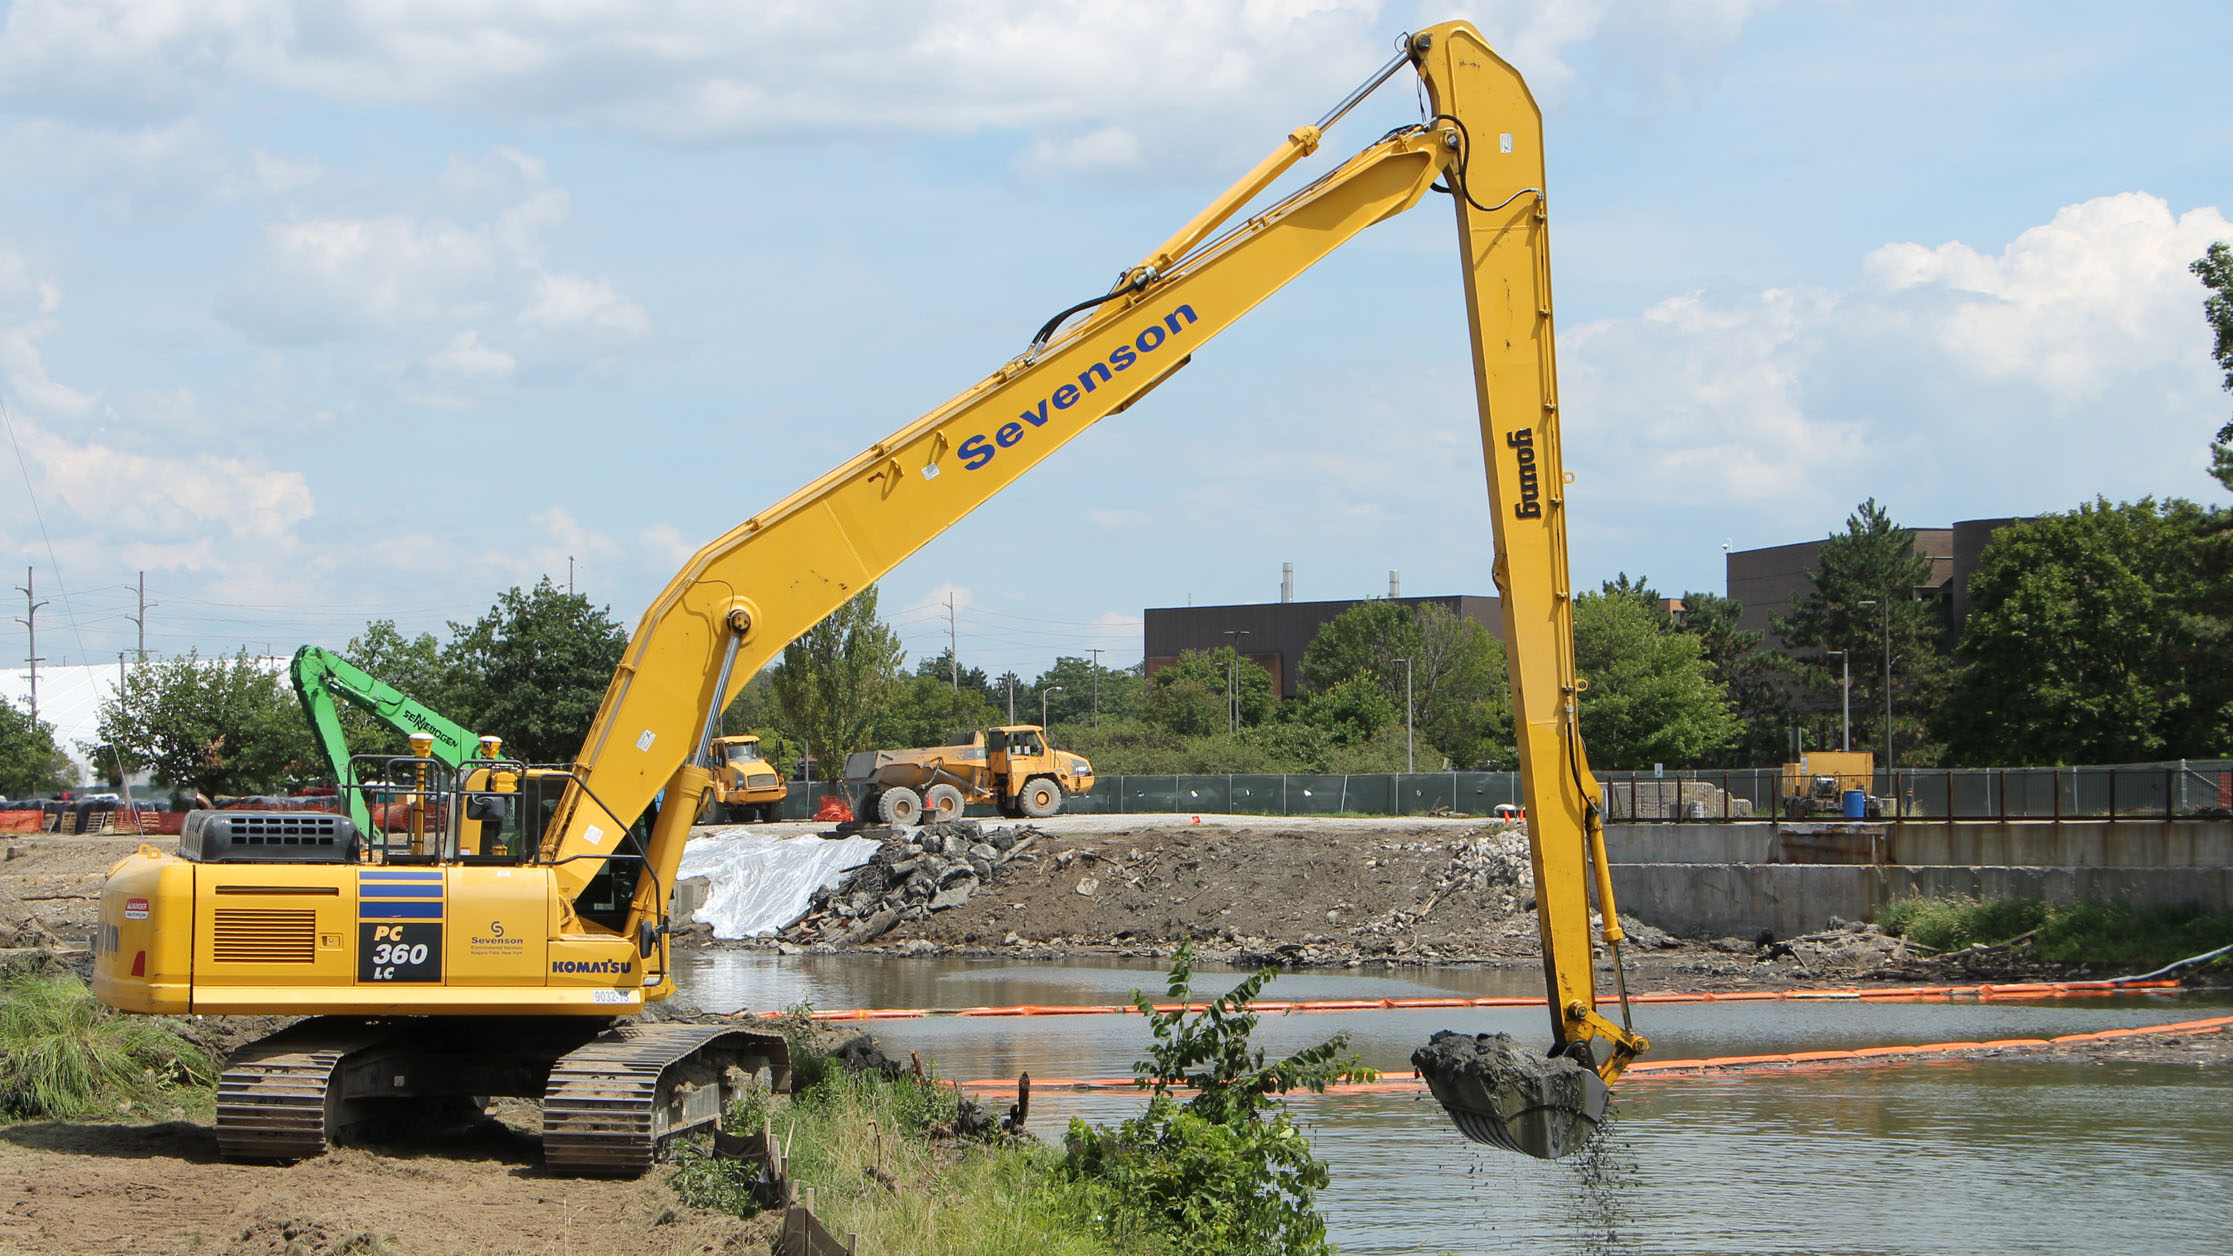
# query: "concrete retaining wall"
1742, 899
2014, 843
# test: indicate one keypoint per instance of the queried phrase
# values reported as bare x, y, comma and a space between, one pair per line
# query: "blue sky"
325, 312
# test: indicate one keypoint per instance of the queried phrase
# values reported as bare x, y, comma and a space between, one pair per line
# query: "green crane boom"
319, 675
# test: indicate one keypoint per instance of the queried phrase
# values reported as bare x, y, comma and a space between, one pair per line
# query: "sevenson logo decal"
979, 450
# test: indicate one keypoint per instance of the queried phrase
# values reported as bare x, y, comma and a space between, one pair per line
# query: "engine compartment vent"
254, 935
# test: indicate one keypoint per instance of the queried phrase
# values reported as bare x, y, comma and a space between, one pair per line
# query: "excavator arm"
321, 675
742, 598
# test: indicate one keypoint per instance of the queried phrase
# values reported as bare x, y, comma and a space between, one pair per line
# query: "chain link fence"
2196, 789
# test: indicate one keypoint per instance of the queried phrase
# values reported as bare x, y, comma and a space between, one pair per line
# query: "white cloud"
683, 69
466, 356
1110, 148
569, 301
441, 300
1942, 365
2099, 291
137, 497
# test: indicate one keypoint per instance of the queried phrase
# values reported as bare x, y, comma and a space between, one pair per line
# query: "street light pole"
1043, 703
1845, 665
1233, 678
1886, 606
1408, 764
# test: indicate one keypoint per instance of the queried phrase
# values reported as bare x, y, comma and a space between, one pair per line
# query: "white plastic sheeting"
759, 882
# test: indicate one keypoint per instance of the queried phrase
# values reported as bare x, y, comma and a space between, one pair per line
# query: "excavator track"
278, 1098
612, 1106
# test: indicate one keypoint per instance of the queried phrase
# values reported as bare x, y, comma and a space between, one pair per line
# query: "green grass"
2116, 934
64, 1055
949, 1199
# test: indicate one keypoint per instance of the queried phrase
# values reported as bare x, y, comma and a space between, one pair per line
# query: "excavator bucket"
1506, 1096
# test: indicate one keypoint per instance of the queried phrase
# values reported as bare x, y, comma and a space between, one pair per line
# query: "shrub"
1225, 1172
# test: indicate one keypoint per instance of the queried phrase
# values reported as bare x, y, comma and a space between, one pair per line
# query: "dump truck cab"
1030, 775
746, 787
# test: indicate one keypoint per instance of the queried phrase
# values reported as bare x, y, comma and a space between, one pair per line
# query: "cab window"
748, 752
1025, 744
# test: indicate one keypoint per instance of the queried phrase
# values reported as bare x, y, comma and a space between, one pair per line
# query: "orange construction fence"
1399, 1082
1889, 994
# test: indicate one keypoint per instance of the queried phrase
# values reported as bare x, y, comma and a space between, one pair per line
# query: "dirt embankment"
1307, 893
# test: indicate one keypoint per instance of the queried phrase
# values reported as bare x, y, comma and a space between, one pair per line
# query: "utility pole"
953, 641
1233, 678
30, 622
1408, 765
139, 621
1096, 687
1011, 697
569, 575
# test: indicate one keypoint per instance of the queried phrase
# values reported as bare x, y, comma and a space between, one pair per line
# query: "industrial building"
1273, 635
1766, 579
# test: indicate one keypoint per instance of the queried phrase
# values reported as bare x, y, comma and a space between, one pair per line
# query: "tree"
218, 727
1193, 696
1079, 678
926, 710
532, 671
1873, 561
834, 681
2084, 644
30, 762
1652, 697
1459, 695
1758, 680
942, 667
411, 664
1365, 640
2215, 268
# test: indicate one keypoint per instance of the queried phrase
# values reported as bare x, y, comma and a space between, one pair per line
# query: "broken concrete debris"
914, 873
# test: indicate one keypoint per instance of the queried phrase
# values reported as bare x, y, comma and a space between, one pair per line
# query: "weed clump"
63, 1054
2129, 934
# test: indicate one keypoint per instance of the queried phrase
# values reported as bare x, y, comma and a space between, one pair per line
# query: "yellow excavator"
492, 945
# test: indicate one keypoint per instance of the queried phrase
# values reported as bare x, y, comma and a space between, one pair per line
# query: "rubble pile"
1488, 874
915, 872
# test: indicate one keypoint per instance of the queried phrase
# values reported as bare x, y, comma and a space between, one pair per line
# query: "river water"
2034, 1153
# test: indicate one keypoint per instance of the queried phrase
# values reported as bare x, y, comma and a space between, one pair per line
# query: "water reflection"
2019, 1154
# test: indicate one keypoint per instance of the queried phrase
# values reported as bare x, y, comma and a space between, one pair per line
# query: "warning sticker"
135, 909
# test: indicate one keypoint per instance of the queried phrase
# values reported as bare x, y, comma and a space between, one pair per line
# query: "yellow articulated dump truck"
1012, 768
746, 787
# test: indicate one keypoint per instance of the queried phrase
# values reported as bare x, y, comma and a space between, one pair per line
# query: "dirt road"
152, 1190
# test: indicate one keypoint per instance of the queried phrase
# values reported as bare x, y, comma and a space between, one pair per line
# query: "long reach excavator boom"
576, 926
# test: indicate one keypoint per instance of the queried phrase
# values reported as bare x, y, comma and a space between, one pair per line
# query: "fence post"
2169, 778
2112, 793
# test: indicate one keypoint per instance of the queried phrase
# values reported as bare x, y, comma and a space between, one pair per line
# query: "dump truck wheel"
1040, 798
770, 812
901, 808
941, 804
